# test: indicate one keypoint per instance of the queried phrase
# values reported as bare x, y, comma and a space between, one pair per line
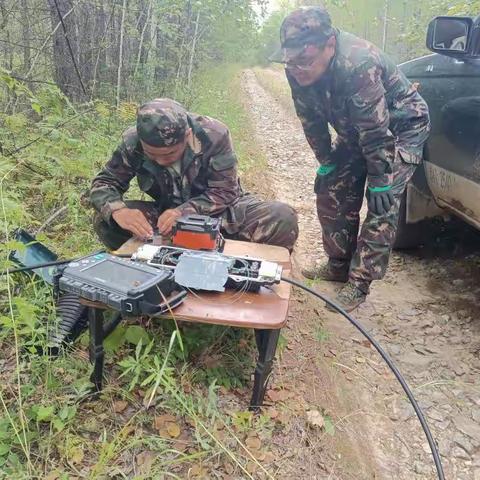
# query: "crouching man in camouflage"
186, 164
381, 124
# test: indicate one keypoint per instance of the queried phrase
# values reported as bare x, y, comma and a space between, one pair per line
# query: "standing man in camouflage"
186, 164
381, 125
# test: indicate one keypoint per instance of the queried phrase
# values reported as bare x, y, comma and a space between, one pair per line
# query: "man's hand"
167, 220
380, 200
134, 221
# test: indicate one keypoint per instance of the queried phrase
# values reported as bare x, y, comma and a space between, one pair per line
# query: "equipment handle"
158, 309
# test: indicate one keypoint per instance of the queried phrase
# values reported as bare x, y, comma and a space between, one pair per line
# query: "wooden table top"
267, 309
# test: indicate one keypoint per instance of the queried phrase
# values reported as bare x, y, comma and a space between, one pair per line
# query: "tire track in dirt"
424, 313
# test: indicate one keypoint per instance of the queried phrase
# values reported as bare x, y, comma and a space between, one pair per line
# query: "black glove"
380, 200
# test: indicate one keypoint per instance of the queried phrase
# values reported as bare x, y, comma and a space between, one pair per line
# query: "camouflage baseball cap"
305, 26
162, 122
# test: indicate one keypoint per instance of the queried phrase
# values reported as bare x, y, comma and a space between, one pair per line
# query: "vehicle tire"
409, 235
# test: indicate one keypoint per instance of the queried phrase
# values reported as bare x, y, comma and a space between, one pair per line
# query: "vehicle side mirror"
451, 36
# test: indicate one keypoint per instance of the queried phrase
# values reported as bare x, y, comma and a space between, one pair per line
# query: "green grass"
321, 335
50, 425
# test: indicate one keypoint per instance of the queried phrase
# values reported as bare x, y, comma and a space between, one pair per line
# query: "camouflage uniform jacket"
375, 110
209, 181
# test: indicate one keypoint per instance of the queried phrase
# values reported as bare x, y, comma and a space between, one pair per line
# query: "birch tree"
120, 53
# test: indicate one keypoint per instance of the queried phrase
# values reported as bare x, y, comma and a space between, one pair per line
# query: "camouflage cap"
305, 26
162, 122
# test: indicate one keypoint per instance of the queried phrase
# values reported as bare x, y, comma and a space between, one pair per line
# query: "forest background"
71, 76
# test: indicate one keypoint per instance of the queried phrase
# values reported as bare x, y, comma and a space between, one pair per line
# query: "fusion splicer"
198, 232
129, 287
211, 270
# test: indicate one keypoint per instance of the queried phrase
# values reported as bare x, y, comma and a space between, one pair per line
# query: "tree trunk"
27, 59
385, 27
64, 70
87, 42
160, 69
192, 51
180, 52
120, 53
8, 52
141, 53
102, 25
45, 42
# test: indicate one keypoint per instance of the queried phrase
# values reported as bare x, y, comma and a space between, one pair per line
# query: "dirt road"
425, 313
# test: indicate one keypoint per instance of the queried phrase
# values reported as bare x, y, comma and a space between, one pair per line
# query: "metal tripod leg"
95, 320
266, 343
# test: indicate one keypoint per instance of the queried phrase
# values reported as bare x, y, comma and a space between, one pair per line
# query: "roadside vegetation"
160, 412
64, 106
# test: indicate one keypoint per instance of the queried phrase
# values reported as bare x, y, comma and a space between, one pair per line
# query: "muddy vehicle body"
449, 81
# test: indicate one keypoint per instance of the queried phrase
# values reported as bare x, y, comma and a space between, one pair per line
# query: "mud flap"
420, 206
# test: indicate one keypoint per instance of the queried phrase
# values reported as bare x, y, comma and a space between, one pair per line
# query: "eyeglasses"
300, 61
300, 65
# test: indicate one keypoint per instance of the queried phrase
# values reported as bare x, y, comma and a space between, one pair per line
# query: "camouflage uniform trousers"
250, 219
339, 200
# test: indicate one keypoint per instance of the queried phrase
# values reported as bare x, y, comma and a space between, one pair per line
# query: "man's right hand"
380, 200
134, 221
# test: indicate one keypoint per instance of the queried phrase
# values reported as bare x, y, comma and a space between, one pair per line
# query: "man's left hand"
167, 220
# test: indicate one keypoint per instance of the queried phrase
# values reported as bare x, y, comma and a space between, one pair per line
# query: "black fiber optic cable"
56, 262
391, 365
34, 267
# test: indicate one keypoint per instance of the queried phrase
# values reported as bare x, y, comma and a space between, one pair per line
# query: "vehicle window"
450, 34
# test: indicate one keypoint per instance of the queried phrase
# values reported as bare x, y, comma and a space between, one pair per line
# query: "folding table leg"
266, 343
95, 319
